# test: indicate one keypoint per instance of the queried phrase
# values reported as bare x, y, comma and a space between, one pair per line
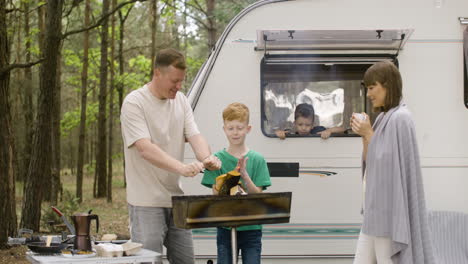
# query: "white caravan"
276, 54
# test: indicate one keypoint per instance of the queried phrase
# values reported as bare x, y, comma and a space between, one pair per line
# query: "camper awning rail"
313, 59
389, 41
463, 20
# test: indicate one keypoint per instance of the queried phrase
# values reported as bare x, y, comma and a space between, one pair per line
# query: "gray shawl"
395, 206
449, 232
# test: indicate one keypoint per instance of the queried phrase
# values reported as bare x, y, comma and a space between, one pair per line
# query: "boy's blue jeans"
248, 242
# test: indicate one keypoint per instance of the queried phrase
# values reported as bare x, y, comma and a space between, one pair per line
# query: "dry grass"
113, 217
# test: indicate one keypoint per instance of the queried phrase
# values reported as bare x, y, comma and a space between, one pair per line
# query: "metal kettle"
82, 222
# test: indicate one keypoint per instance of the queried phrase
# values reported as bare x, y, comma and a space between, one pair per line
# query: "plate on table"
78, 254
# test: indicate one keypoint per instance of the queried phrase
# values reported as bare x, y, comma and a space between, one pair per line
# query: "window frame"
369, 59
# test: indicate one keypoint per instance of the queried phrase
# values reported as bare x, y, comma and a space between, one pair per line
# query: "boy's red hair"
236, 111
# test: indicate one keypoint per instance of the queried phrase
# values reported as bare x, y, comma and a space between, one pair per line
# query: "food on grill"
237, 190
225, 182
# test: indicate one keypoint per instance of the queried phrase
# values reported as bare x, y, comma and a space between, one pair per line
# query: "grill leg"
234, 245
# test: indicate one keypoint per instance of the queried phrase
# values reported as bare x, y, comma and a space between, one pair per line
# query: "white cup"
359, 116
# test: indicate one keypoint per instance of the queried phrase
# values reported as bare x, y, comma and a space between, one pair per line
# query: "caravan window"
333, 87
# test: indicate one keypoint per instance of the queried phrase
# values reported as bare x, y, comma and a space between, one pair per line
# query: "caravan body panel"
431, 64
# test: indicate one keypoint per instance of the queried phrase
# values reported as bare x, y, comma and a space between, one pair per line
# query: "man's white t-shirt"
166, 123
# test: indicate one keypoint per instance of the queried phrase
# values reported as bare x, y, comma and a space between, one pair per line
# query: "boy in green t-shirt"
255, 177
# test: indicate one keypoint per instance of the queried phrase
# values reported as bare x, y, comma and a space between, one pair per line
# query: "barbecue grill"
198, 211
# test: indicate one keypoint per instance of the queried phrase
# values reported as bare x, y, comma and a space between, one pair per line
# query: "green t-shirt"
256, 167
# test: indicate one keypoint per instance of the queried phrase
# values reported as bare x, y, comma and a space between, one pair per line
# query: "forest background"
65, 67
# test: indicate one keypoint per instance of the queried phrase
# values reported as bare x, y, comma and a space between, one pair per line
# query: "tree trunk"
40, 166
7, 178
120, 85
184, 26
111, 108
101, 157
40, 39
55, 187
28, 99
16, 102
42, 16
84, 98
210, 8
154, 29
41, 24
175, 36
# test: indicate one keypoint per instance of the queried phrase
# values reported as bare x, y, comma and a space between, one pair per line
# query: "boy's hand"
281, 134
212, 163
324, 134
242, 164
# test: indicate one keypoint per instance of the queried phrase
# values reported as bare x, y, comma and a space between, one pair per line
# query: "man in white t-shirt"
156, 121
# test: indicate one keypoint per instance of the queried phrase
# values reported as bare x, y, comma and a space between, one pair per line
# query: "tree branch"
22, 10
12, 10
203, 24
10, 67
101, 20
75, 3
123, 18
198, 7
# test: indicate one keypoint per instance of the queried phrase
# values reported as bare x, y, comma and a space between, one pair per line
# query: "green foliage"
137, 74
226, 10
90, 168
140, 63
71, 119
132, 81
194, 62
168, 14
193, 65
34, 48
72, 59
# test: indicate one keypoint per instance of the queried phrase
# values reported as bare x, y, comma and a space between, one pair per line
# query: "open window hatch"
323, 68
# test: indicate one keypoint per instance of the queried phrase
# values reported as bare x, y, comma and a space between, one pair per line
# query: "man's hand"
212, 163
191, 169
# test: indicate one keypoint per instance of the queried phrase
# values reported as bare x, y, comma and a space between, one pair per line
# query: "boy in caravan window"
255, 177
304, 116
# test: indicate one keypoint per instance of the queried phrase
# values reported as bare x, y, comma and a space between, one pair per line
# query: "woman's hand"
361, 125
